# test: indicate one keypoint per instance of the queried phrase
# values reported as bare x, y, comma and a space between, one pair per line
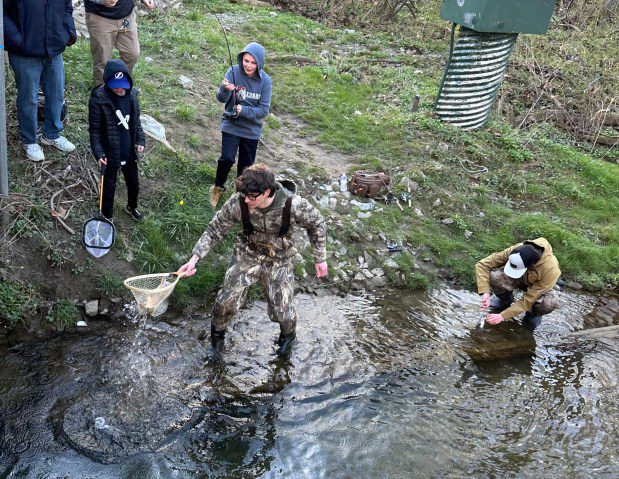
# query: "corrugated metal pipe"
473, 76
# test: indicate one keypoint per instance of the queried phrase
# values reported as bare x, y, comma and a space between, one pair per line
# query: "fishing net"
151, 291
98, 235
98, 232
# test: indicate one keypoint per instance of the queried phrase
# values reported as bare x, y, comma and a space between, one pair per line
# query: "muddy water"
392, 387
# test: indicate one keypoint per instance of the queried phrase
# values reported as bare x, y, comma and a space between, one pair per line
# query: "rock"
367, 273
359, 277
324, 202
378, 282
272, 14
390, 263
186, 82
357, 112
482, 214
364, 206
407, 183
105, 312
366, 256
92, 308
437, 202
364, 214
468, 234
81, 324
447, 221
149, 59
354, 236
378, 272
418, 212
573, 285
442, 146
332, 203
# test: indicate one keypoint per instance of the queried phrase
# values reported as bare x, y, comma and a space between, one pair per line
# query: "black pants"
130, 172
229, 145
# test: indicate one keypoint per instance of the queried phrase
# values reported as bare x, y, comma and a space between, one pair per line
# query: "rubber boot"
285, 344
531, 321
217, 341
499, 302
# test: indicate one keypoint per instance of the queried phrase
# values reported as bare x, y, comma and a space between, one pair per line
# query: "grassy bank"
496, 186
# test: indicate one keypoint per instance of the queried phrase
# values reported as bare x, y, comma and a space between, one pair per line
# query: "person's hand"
110, 3
485, 301
189, 268
494, 318
227, 85
149, 4
139, 148
322, 269
103, 161
238, 109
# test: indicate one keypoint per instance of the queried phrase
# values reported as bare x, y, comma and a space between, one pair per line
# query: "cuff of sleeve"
198, 253
320, 257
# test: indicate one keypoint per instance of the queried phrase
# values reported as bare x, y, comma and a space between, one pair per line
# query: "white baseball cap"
520, 260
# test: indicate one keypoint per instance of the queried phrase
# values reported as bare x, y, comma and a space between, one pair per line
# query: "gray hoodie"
255, 96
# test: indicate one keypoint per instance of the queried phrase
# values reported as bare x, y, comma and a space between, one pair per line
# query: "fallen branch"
56, 214
601, 140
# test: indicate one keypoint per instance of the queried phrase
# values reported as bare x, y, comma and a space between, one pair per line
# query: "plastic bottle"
343, 182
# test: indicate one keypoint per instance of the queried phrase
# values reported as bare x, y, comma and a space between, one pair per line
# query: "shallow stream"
377, 387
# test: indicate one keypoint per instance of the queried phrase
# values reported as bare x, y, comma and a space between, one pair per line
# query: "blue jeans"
29, 73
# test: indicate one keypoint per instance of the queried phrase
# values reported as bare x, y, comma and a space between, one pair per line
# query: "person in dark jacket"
36, 32
246, 92
116, 135
112, 23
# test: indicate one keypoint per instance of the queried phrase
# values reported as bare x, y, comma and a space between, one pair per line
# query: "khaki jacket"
539, 278
267, 223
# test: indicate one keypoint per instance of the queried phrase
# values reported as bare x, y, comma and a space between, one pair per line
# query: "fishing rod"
229, 114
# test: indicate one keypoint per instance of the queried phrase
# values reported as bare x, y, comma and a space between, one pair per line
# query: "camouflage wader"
501, 284
276, 276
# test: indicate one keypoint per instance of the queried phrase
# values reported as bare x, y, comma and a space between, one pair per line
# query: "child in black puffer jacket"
116, 135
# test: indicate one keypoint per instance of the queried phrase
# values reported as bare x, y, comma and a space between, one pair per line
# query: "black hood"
113, 66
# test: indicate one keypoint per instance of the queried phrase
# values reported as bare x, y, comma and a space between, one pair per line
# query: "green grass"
500, 183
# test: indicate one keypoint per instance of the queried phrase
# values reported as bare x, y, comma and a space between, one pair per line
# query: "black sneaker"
134, 213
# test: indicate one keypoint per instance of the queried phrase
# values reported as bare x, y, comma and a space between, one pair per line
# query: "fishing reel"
231, 114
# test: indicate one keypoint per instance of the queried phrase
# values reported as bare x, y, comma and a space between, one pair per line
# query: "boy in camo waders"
268, 211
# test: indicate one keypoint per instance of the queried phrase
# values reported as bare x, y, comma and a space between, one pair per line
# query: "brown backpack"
368, 184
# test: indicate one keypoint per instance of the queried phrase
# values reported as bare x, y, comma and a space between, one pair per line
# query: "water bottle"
343, 182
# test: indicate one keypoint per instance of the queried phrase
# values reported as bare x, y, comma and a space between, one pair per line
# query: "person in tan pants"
112, 23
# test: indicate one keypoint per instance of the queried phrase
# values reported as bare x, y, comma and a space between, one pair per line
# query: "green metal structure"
500, 16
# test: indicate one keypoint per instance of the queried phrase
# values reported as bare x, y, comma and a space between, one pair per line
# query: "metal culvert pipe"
473, 76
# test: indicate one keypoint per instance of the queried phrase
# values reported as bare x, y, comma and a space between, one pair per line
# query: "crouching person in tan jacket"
529, 266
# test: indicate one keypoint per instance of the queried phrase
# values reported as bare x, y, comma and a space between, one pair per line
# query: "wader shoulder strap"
283, 231
248, 228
